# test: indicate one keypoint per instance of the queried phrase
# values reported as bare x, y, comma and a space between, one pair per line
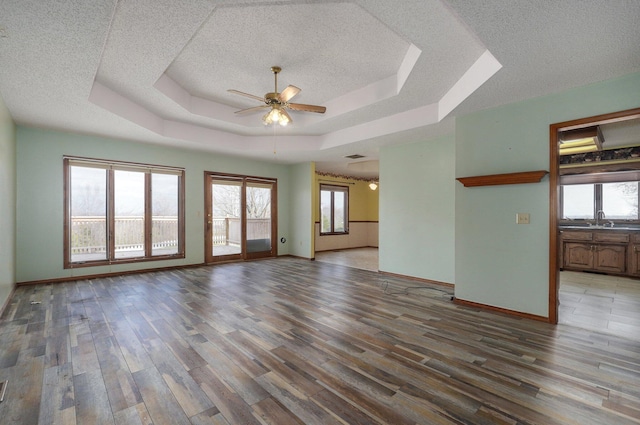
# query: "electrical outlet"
522, 218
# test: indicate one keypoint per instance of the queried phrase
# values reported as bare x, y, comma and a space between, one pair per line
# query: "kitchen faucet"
599, 216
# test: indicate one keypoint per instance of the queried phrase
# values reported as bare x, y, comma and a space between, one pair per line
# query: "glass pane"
325, 211
129, 213
578, 201
620, 200
258, 203
88, 227
226, 225
164, 219
338, 211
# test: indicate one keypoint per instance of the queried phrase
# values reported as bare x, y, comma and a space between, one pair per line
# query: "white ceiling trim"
357, 99
481, 70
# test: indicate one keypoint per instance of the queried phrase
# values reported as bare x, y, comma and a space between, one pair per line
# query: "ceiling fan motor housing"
272, 98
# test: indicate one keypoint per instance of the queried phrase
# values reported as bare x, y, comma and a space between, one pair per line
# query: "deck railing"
88, 234
228, 231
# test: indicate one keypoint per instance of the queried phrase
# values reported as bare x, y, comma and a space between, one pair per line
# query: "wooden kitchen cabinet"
578, 256
595, 257
634, 255
610, 258
599, 251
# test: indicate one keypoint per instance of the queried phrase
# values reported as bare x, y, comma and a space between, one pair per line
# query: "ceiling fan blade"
288, 93
255, 108
261, 99
307, 108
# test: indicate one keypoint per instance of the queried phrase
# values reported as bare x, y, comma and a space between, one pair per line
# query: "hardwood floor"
290, 341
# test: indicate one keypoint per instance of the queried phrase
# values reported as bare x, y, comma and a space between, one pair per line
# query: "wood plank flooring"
290, 341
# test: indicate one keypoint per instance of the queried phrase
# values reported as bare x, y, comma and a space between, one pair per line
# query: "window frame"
333, 188
597, 204
110, 167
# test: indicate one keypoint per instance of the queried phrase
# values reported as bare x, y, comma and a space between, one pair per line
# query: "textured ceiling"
158, 71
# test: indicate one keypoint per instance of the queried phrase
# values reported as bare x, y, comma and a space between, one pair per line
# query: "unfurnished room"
319, 212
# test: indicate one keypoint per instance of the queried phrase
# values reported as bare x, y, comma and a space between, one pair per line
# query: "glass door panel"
226, 219
258, 221
240, 216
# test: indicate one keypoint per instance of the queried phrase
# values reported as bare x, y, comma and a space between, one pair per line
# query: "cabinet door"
634, 259
610, 258
578, 256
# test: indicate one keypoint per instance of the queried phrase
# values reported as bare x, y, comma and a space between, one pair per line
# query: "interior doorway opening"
557, 131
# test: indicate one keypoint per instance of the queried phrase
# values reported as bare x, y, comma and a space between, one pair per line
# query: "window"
618, 201
334, 209
122, 212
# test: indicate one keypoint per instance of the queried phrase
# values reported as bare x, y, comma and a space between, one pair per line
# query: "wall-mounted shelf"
500, 179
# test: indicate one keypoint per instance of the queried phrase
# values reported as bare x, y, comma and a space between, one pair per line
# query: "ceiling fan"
278, 102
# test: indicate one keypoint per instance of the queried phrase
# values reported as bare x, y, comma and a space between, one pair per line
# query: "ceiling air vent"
354, 156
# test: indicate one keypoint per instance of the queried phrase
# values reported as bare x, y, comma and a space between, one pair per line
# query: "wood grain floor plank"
188, 394
162, 406
232, 406
134, 415
91, 400
272, 412
288, 341
121, 388
297, 402
23, 396
57, 404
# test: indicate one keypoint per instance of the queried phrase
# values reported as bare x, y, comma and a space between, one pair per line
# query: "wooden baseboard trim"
501, 310
103, 275
346, 249
418, 279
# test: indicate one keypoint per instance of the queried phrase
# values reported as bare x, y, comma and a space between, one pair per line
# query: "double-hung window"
334, 209
121, 212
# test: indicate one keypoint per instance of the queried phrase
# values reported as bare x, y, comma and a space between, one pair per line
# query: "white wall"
39, 253
7, 204
361, 235
417, 226
499, 263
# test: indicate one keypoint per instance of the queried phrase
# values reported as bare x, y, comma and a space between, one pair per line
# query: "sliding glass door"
240, 212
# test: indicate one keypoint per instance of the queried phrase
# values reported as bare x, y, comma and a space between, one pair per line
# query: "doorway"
241, 217
556, 130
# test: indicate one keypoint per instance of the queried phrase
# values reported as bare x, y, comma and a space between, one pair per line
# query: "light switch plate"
522, 218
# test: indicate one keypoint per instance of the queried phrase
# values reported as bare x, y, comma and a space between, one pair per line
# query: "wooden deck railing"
88, 234
228, 231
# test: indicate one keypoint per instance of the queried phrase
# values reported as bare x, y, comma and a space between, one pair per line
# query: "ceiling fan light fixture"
276, 116
279, 103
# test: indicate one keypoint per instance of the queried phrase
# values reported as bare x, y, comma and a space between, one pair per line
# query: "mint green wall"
39, 253
500, 263
302, 179
7, 204
416, 207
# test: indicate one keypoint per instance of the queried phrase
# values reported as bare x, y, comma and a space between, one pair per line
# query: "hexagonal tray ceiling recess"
376, 74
